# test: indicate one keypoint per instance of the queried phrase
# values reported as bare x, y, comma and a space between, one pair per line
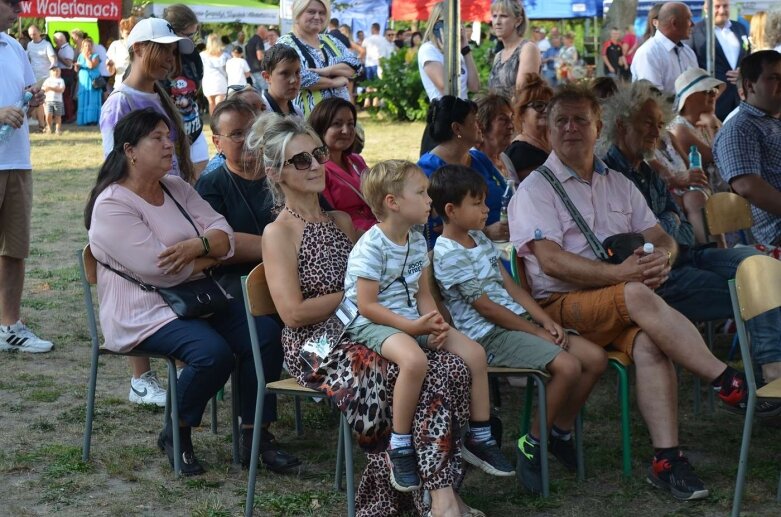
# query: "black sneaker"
487, 456
190, 464
678, 477
733, 391
528, 469
767, 409
403, 466
274, 458
564, 451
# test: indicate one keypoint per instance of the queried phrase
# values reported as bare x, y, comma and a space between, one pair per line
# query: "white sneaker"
18, 337
147, 390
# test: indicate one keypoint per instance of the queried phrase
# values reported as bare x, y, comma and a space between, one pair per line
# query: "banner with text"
101, 9
223, 11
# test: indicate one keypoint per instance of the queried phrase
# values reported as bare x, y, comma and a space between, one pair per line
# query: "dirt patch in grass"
42, 400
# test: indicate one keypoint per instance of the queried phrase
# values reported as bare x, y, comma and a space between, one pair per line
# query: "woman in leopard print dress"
305, 254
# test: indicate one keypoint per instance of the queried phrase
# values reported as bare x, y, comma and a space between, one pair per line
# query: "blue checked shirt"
750, 143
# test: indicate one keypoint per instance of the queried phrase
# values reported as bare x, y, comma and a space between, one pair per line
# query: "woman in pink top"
334, 121
136, 227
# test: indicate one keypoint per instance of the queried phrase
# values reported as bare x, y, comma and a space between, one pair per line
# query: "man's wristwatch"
205, 243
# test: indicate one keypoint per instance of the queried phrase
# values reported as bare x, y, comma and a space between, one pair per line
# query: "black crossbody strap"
139, 283
592, 240
181, 209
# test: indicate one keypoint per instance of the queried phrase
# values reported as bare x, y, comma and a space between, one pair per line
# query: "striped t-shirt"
476, 271
375, 257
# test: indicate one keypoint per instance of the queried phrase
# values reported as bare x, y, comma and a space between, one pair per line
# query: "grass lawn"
42, 401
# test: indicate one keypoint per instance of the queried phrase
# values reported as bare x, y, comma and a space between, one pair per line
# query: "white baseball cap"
159, 31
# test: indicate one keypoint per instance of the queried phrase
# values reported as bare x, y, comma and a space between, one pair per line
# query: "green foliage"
400, 90
484, 58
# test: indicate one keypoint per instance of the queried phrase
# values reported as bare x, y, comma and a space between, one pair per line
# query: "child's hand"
437, 341
557, 332
429, 323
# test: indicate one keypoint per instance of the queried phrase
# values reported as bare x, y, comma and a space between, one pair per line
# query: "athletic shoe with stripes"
18, 338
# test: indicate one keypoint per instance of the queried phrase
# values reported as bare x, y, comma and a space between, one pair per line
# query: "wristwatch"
205, 243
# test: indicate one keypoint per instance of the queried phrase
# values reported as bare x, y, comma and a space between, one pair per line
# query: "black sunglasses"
303, 161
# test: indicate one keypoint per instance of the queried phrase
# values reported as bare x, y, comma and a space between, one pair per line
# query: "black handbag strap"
592, 240
139, 283
181, 209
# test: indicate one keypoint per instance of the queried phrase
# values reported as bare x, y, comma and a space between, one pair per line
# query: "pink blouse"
128, 234
342, 191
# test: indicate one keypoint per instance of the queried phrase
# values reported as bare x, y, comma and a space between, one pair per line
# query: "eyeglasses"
237, 137
303, 161
712, 92
538, 106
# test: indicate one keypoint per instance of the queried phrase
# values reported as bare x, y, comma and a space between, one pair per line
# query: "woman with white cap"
153, 47
695, 123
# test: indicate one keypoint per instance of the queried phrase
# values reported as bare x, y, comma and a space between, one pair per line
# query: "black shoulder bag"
614, 249
195, 299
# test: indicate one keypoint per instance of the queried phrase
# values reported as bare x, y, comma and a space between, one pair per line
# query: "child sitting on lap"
399, 316
513, 329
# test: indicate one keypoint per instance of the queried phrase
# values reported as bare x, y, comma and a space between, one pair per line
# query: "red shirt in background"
629, 40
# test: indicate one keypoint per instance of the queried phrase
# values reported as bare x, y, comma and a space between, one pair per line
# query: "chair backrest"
90, 265
758, 285
258, 295
727, 212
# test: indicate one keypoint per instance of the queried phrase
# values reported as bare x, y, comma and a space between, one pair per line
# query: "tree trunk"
622, 13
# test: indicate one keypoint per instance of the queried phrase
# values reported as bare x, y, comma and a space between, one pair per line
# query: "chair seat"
499, 370
770, 391
290, 386
619, 357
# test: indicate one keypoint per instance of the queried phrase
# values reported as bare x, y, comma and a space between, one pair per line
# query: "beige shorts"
16, 201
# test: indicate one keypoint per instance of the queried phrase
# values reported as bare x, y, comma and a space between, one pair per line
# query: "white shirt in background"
16, 76
40, 55
660, 61
117, 52
429, 53
376, 47
54, 82
730, 44
100, 50
237, 67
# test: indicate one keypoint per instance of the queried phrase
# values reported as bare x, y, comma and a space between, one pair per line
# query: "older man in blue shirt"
697, 285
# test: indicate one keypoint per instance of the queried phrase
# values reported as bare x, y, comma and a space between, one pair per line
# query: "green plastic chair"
754, 290
619, 361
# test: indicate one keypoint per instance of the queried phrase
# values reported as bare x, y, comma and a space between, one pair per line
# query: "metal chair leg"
778, 493
744, 446
542, 410
526, 417
253, 459
623, 386
174, 416
299, 422
93, 379
348, 460
235, 411
579, 446
214, 414
339, 455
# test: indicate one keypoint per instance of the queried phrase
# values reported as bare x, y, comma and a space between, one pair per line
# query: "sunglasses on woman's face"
538, 106
303, 161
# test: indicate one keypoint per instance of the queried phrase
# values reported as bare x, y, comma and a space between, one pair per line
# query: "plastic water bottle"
7, 129
648, 248
695, 161
506, 197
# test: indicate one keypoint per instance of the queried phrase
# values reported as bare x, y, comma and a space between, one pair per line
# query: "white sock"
400, 440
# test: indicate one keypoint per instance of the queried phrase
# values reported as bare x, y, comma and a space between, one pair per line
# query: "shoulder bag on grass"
614, 249
195, 299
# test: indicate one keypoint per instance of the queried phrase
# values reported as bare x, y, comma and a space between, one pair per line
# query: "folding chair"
725, 212
754, 290
89, 277
258, 302
619, 361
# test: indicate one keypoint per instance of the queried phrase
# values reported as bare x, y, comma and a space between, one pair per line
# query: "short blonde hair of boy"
299, 6
386, 177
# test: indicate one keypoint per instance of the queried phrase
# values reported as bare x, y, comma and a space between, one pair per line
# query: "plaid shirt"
657, 195
750, 143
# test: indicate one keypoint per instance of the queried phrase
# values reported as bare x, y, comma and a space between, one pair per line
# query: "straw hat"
691, 81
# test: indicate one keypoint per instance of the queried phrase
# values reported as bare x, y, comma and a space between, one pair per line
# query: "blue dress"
430, 162
90, 98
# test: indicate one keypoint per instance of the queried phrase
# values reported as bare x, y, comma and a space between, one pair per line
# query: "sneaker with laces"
564, 451
403, 466
529, 467
733, 391
147, 390
487, 456
678, 477
767, 408
18, 338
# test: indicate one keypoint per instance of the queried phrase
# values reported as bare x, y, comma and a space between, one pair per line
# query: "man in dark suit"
732, 45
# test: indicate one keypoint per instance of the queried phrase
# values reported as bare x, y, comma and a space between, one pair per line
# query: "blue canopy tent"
559, 9
360, 14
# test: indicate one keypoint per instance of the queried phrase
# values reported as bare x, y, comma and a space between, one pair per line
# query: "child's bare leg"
474, 356
593, 362
58, 124
403, 350
565, 373
48, 118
